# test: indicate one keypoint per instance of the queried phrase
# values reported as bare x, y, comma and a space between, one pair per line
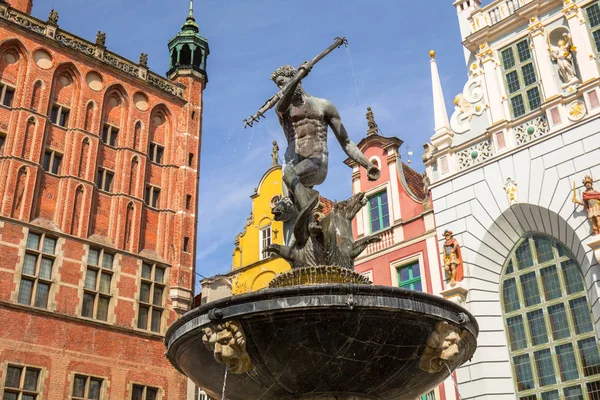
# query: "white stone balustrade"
495, 12
387, 240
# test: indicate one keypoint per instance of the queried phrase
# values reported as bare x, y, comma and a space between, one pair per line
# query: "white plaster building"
502, 170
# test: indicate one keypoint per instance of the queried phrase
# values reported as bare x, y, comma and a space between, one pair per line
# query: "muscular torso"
305, 126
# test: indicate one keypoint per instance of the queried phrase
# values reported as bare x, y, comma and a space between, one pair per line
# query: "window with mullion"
151, 298
141, 392
156, 153
86, 388
379, 211
59, 115
152, 196
2, 142
522, 84
36, 274
7, 94
21, 383
109, 135
265, 241
104, 179
97, 285
552, 342
52, 161
592, 14
409, 277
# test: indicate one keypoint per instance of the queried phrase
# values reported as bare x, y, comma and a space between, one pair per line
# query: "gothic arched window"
551, 335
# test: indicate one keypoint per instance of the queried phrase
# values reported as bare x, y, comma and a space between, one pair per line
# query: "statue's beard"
298, 93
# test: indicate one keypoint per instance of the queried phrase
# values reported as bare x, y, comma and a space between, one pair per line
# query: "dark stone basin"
323, 342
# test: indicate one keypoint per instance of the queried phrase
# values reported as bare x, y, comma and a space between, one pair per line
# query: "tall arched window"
551, 336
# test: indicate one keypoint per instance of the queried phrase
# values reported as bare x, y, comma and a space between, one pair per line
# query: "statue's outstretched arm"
290, 88
335, 122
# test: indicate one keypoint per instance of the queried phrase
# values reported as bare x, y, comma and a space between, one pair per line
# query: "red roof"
414, 180
327, 205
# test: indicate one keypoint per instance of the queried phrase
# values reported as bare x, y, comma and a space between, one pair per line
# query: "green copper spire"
190, 22
188, 49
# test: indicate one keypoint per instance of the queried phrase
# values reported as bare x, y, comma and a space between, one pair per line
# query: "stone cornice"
94, 51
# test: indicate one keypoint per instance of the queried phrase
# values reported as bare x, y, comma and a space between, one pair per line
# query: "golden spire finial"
432, 53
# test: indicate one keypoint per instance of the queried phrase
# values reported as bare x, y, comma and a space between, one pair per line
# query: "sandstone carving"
443, 348
228, 343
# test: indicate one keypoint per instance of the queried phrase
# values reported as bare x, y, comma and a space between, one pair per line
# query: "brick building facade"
99, 163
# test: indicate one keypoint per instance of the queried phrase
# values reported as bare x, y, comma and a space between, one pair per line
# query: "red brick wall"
71, 208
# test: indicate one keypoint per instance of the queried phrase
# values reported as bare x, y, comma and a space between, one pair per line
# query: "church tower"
188, 52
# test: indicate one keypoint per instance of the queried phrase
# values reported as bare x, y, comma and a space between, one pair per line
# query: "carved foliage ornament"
475, 154
228, 343
531, 130
444, 346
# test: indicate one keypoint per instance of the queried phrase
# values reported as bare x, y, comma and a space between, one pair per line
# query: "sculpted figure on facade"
228, 342
100, 38
510, 187
561, 53
453, 263
275, 153
53, 17
443, 347
591, 201
144, 60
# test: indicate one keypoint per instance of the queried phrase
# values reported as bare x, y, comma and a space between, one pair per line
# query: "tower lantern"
188, 50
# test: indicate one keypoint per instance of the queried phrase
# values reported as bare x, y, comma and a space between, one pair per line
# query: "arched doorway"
550, 331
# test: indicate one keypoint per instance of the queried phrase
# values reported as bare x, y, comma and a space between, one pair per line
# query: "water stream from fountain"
454, 380
224, 384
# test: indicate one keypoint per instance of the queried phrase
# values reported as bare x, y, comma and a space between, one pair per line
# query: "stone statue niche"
561, 49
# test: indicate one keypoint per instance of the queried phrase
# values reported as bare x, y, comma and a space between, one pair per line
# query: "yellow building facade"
251, 268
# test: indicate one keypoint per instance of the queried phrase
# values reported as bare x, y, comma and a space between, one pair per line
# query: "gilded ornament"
510, 187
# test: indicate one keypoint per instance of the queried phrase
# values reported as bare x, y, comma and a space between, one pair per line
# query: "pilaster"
492, 83
544, 63
585, 55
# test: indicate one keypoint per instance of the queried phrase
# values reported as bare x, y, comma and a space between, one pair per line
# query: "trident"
299, 76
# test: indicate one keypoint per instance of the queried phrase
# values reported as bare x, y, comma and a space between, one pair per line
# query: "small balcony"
387, 240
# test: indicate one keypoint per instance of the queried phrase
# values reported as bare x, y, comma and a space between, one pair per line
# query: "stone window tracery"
36, 274
551, 336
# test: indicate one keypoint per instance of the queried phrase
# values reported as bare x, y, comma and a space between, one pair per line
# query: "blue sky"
386, 66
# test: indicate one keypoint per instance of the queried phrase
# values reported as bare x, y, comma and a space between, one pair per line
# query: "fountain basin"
342, 342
